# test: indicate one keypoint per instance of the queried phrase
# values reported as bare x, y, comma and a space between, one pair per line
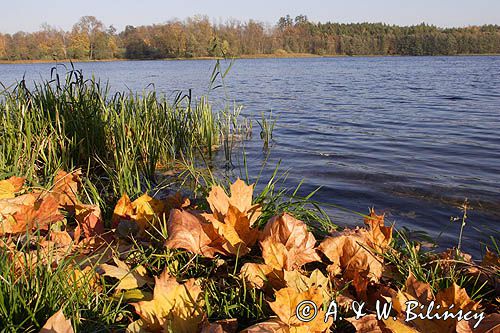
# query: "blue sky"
29, 15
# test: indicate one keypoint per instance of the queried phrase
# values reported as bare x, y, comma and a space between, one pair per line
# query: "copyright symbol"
306, 311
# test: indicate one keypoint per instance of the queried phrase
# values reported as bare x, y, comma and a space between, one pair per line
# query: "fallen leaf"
89, 218
189, 232
452, 299
491, 260
367, 324
128, 279
123, 210
350, 255
40, 215
66, 187
397, 326
57, 324
285, 307
270, 326
9, 187
294, 236
233, 217
176, 201
146, 209
235, 230
221, 326
490, 324
380, 236
174, 306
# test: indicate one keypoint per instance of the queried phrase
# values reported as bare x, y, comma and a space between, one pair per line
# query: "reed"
122, 139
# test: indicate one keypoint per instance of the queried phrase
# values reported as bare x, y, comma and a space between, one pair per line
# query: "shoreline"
248, 56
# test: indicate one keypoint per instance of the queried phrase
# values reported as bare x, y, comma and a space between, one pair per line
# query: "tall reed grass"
72, 122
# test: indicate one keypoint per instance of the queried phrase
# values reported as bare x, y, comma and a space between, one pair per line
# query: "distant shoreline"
248, 56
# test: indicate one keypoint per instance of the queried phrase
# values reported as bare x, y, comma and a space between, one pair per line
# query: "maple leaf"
40, 215
9, 187
142, 211
128, 279
145, 209
285, 307
286, 245
380, 236
221, 326
298, 242
89, 218
350, 255
452, 299
190, 232
174, 306
66, 187
123, 210
490, 324
259, 275
236, 231
302, 283
176, 201
241, 198
233, 217
367, 324
57, 324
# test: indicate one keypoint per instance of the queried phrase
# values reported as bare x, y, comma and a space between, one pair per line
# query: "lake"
411, 136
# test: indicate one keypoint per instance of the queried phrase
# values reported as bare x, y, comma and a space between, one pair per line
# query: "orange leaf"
57, 324
174, 306
189, 232
285, 307
66, 187
9, 187
294, 236
123, 210
350, 255
90, 220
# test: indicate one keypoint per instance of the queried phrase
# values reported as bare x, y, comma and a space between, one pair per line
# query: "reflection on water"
413, 136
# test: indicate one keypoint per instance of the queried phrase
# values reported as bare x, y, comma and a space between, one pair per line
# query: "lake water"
412, 136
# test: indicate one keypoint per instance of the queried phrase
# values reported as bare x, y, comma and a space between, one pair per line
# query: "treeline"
90, 39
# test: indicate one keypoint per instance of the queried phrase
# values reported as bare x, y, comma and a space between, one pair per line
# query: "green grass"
119, 139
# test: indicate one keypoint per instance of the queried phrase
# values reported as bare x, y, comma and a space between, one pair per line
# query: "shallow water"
412, 136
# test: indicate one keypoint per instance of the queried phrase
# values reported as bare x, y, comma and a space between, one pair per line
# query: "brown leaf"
221, 326
235, 230
174, 306
146, 209
241, 199
123, 210
380, 236
40, 215
490, 324
89, 218
490, 260
367, 324
176, 201
398, 326
350, 255
270, 326
128, 279
9, 187
445, 299
293, 234
66, 187
259, 275
285, 307
57, 324
189, 232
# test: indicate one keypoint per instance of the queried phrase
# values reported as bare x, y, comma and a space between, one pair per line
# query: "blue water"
412, 136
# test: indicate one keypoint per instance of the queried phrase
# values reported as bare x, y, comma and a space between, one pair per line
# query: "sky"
29, 15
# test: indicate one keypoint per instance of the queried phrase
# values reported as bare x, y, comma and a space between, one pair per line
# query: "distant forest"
90, 39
